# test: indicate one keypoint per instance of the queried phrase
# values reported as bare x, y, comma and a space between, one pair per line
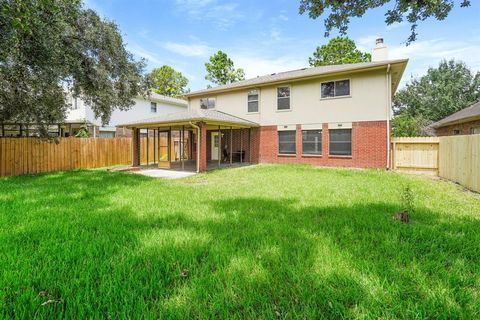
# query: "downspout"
198, 145
389, 107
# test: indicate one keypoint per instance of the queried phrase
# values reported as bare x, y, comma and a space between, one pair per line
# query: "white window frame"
258, 100
153, 103
208, 98
334, 96
289, 97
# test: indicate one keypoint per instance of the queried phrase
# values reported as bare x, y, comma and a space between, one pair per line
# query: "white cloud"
144, 53
258, 66
223, 15
188, 50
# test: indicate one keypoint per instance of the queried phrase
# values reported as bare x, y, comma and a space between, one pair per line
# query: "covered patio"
194, 141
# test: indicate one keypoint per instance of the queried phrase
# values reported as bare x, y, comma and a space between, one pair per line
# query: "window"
107, 134
283, 98
153, 107
207, 103
475, 130
253, 101
456, 132
333, 89
286, 142
312, 142
340, 142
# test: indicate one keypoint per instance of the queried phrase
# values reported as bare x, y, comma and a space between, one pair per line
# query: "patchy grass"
254, 242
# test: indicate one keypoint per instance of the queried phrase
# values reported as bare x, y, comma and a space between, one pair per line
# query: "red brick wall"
369, 147
464, 128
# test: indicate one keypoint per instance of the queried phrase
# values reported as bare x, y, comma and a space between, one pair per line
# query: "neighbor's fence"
32, 155
456, 158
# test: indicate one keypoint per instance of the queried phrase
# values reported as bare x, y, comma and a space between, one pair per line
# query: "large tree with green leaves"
167, 81
338, 50
412, 11
444, 90
50, 48
221, 70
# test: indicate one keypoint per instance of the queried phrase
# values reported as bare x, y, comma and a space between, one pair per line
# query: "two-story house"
336, 115
80, 113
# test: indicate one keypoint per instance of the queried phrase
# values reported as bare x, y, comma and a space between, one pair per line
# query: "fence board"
460, 160
416, 155
31, 155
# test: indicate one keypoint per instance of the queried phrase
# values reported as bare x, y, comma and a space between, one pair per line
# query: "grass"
255, 242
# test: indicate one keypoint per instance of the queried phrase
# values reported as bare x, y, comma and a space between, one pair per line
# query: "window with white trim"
312, 142
207, 103
153, 107
286, 142
339, 88
283, 98
253, 100
340, 142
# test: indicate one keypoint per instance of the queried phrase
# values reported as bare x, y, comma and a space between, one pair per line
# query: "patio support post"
182, 147
219, 147
135, 147
169, 147
155, 142
147, 146
231, 143
241, 145
202, 147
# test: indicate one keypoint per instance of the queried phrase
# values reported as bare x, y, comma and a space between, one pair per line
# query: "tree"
442, 91
338, 51
220, 70
167, 81
413, 11
406, 126
52, 48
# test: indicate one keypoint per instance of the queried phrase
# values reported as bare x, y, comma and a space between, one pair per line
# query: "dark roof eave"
441, 124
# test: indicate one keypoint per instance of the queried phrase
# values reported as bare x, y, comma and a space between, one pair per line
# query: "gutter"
198, 145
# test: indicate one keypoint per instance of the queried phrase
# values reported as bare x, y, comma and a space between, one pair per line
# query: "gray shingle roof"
463, 115
158, 97
192, 115
296, 74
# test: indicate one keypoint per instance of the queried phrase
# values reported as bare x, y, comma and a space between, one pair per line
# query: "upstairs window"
332, 89
253, 101
207, 103
153, 107
286, 142
283, 98
340, 142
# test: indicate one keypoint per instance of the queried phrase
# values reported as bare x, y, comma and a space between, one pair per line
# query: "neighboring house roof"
307, 73
208, 116
464, 115
161, 98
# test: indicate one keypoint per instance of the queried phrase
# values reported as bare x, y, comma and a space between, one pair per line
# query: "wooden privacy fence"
31, 155
455, 158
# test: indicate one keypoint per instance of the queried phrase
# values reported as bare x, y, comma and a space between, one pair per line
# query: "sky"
264, 37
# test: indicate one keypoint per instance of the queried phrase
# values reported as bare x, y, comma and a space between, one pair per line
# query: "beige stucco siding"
367, 102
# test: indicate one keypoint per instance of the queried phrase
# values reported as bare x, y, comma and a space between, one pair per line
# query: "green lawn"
254, 242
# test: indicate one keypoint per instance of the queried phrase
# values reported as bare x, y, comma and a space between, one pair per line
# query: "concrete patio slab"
164, 174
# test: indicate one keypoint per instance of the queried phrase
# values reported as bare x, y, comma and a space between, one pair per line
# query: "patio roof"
185, 117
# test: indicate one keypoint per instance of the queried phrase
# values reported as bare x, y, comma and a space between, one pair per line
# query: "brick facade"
369, 147
463, 128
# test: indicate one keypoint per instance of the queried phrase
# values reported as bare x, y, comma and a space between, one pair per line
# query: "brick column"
325, 140
135, 147
203, 147
298, 142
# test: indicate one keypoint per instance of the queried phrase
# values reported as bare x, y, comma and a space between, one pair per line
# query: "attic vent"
273, 74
